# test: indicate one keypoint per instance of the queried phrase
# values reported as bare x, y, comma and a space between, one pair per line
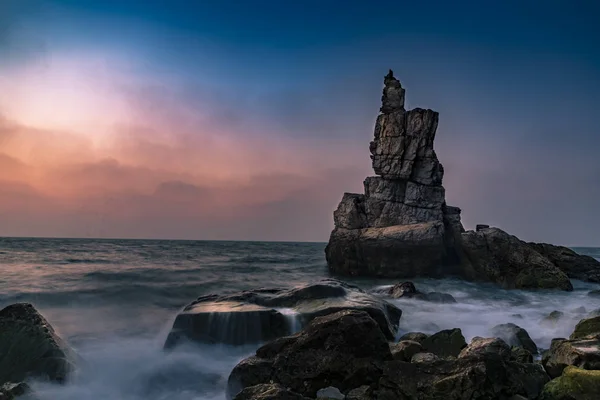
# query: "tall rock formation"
400, 226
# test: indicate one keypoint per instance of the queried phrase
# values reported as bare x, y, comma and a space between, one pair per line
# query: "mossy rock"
586, 328
574, 384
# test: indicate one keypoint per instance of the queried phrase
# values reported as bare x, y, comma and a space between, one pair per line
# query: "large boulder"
345, 350
29, 347
574, 384
582, 353
576, 266
493, 255
265, 314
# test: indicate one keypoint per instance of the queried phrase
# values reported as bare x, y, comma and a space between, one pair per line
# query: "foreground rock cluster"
347, 353
402, 227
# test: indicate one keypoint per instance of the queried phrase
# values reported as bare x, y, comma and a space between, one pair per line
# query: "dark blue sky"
517, 85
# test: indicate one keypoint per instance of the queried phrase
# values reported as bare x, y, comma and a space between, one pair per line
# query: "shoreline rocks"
401, 226
30, 348
348, 351
258, 315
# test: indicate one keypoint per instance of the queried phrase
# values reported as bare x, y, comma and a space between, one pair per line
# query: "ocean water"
115, 300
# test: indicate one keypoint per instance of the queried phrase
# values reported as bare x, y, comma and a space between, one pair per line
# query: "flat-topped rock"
260, 315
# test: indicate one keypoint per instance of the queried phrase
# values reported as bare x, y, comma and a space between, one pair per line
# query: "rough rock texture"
587, 328
10, 391
29, 347
345, 350
574, 384
484, 347
405, 350
269, 391
482, 371
258, 315
330, 393
446, 343
514, 335
582, 353
418, 337
408, 290
576, 266
400, 226
493, 255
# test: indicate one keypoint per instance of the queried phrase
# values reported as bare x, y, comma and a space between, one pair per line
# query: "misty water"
115, 300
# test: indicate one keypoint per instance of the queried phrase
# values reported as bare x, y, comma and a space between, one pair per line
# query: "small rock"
361, 393
514, 335
480, 227
484, 347
330, 393
269, 391
579, 310
446, 343
404, 289
420, 358
418, 337
553, 318
404, 350
519, 316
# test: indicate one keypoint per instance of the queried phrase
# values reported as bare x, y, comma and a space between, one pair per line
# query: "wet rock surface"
345, 350
258, 315
329, 353
575, 383
30, 348
514, 335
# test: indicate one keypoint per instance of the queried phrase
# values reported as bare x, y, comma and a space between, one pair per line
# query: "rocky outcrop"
268, 391
400, 226
493, 255
574, 265
260, 315
345, 350
29, 347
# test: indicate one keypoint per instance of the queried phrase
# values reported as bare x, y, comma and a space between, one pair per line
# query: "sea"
114, 302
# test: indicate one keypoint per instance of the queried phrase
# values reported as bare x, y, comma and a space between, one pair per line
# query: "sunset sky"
247, 120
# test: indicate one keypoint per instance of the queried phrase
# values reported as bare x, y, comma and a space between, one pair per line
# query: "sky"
248, 120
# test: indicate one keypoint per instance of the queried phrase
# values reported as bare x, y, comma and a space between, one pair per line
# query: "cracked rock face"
400, 226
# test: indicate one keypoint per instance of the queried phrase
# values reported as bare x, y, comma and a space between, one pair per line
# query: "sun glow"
64, 93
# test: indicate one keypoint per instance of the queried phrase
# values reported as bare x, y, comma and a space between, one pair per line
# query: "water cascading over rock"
401, 226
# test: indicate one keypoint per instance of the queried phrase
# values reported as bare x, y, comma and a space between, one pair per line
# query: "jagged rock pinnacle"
393, 94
